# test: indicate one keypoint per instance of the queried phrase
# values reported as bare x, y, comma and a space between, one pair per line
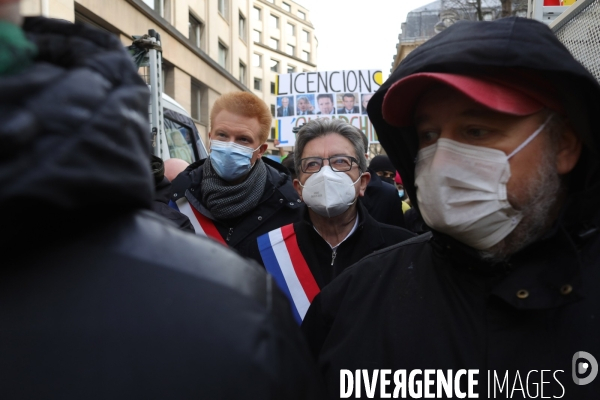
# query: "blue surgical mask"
230, 160
401, 192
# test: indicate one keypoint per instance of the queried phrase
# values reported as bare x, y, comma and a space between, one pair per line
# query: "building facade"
424, 22
283, 42
207, 45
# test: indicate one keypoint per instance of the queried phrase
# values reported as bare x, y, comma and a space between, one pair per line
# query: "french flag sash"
283, 259
202, 224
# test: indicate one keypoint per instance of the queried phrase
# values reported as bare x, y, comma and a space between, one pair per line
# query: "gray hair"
322, 127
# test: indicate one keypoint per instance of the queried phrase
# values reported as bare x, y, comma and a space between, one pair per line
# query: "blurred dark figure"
162, 196
288, 162
384, 168
381, 199
106, 301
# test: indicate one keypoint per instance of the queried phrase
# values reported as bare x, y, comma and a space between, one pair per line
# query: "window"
306, 56
242, 27
301, 14
274, 43
286, 7
273, 109
274, 66
521, 13
256, 36
199, 108
274, 21
160, 6
222, 4
256, 60
85, 20
180, 140
196, 33
290, 50
290, 29
257, 84
487, 16
168, 79
291, 69
272, 133
222, 55
273, 91
242, 75
256, 13
306, 36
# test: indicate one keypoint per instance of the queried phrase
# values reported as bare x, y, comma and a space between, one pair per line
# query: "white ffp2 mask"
461, 191
329, 193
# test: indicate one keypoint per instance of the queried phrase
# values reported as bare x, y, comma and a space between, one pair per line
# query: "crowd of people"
474, 244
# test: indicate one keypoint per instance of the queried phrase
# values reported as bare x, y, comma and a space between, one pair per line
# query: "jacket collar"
545, 274
365, 221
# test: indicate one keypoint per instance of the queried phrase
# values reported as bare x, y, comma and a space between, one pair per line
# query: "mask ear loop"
531, 137
354, 183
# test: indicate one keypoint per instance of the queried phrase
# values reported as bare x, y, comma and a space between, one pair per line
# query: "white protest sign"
341, 95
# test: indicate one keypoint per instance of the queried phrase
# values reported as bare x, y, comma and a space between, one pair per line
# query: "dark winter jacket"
383, 203
101, 298
162, 196
279, 205
161, 206
368, 237
431, 302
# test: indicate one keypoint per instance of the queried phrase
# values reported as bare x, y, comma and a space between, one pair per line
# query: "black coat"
383, 203
160, 205
368, 237
431, 302
280, 205
101, 298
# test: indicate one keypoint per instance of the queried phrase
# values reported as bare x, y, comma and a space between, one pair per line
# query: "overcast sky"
358, 34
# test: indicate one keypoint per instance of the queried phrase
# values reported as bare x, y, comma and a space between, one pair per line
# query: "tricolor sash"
201, 223
284, 260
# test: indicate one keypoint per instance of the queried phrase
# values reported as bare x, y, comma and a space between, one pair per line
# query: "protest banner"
344, 95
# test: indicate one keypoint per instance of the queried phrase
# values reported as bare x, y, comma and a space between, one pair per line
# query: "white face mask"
461, 191
329, 193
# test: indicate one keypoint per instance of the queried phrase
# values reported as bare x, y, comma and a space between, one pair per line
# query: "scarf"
225, 200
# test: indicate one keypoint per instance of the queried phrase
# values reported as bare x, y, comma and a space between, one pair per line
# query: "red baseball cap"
401, 98
398, 178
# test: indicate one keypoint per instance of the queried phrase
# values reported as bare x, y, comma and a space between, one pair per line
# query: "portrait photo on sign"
347, 103
365, 97
305, 104
325, 104
285, 106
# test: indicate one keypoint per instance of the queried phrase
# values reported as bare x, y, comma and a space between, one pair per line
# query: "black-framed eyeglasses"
312, 165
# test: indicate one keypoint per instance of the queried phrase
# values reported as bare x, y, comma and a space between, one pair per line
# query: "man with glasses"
335, 230
494, 129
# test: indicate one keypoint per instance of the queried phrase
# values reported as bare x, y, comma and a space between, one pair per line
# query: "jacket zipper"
229, 234
333, 254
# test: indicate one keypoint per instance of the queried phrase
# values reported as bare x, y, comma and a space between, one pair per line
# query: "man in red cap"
493, 127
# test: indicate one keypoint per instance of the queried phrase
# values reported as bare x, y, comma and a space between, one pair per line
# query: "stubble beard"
543, 194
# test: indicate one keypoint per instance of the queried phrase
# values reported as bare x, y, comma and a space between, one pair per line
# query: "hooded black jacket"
100, 297
430, 302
